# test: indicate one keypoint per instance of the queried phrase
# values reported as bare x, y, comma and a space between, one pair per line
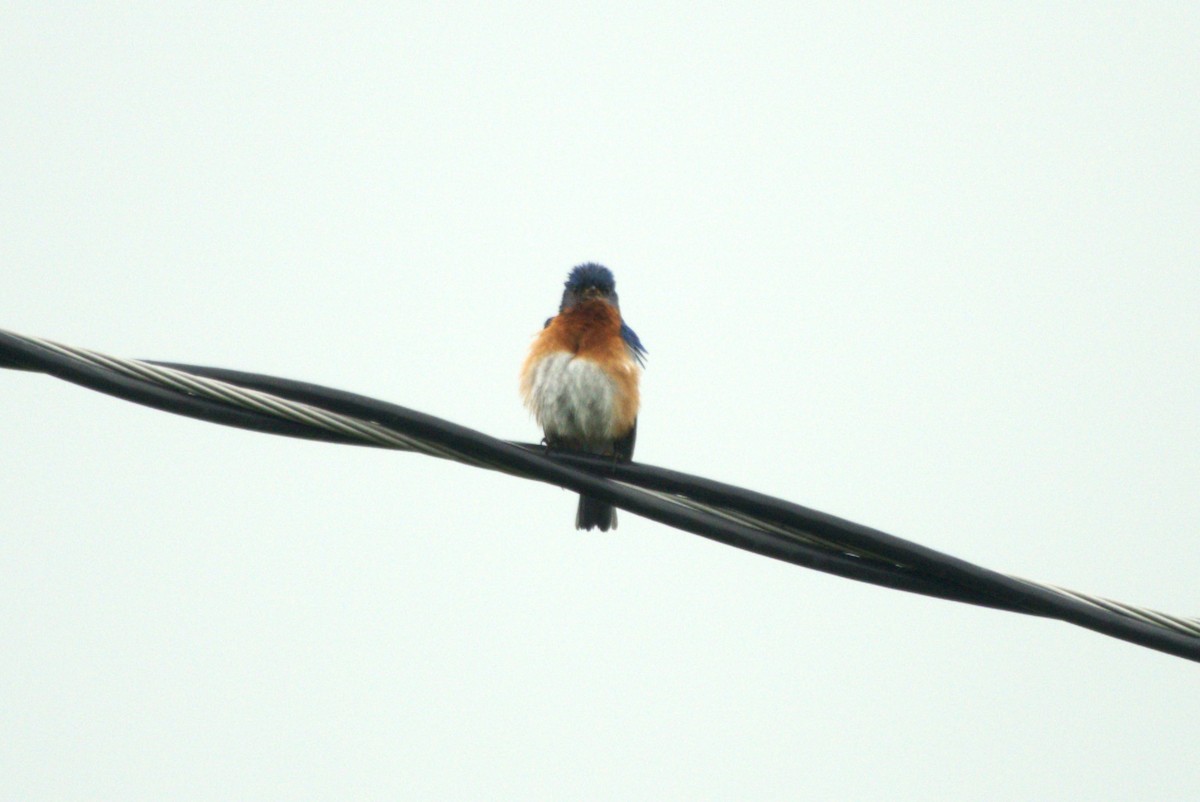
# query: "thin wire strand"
366, 431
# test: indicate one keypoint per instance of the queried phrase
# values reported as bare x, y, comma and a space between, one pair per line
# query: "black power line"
731, 515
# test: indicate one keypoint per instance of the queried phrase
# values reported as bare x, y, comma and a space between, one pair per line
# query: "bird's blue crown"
586, 277
591, 275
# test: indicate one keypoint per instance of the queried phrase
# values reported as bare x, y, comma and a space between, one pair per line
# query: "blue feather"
636, 349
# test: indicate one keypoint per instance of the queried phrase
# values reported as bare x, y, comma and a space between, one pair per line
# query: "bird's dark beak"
592, 292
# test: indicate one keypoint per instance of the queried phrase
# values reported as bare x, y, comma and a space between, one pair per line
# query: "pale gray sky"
928, 268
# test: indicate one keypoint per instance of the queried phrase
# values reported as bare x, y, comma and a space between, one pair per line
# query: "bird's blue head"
588, 281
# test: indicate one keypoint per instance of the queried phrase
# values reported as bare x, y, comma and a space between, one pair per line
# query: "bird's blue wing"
636, 349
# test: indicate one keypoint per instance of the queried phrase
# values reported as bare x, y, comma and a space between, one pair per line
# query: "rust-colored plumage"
590, 330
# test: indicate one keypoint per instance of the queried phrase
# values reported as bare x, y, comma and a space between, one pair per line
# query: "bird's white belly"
574, 399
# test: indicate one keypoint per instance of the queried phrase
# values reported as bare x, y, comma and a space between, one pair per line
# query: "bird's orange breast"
592, 331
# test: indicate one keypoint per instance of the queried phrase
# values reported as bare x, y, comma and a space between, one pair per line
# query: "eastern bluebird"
580, 379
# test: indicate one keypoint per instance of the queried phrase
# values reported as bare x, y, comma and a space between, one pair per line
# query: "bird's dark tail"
594, 514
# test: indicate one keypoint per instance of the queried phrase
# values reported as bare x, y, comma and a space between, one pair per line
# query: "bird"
580, 379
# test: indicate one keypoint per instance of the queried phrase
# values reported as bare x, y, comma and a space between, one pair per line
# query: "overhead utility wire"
728, 514
73, 365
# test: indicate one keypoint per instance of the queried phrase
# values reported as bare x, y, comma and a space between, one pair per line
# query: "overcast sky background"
932, 269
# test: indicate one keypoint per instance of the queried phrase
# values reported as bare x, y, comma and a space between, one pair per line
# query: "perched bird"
580, 379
